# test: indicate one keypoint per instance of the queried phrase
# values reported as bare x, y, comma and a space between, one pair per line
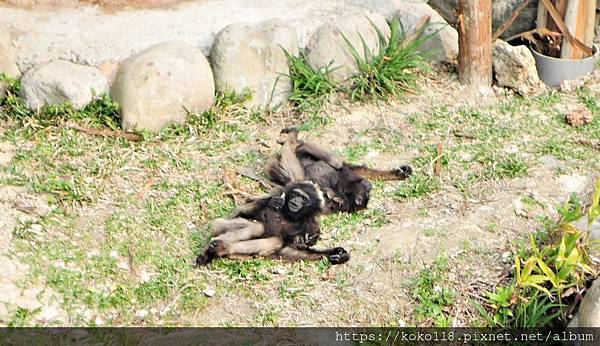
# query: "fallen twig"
419, 29
588, 143
105, 133
510, 20
438, 162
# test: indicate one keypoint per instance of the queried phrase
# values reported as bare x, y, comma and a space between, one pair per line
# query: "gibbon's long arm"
400, 173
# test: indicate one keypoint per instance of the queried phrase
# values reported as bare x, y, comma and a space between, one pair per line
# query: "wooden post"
475, 42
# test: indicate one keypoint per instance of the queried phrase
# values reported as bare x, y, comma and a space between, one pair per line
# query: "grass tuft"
311, 86
392, 70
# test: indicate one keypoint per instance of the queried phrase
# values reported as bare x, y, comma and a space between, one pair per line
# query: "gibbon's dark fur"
346, 187
283, 224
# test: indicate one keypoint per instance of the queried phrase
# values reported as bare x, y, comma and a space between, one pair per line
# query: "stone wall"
172, 62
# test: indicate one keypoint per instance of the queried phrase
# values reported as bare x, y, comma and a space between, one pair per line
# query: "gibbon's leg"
319, 153
400, 173
260, 247
248, 230
285, 167
289, 160
218, 248
221, 225
336, 255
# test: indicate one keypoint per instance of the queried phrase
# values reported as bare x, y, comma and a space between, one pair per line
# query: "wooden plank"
475, 42
581, 27
561, 7
571, 21
542, 17
563, 28
590, 22
510, 20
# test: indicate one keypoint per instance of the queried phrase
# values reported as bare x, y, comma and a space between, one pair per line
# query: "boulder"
588, 314
501, 12
8, 63
327, 45
442, 45
514, 67
250, 57
61, 81
160, 84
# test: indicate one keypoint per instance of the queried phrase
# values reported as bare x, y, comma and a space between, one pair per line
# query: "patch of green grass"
548, 99
345, 224
389, 72
433, 295
311, 86
252, 269
20, 318
418, 185
101, 112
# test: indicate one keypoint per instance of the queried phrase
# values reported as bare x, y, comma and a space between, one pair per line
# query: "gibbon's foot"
283, 134
287, 130
403, 171
215, 249
203, 259
311, 239
339, 256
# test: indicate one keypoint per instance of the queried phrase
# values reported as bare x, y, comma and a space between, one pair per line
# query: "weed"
311, 86
433, 296
389, 72
555, 267
416, 186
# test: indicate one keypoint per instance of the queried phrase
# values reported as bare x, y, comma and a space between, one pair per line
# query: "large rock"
588, 314
327, 45
514, 67
501, 12
8, 63
442, 45
157, 86
250, 57
61, 81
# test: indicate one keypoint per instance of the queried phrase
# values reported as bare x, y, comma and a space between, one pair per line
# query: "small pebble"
209, 292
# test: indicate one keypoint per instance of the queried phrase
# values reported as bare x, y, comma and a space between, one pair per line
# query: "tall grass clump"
393, 70
311, 86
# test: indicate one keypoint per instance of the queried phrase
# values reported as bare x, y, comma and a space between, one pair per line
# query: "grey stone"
8, 63
250, 57
61, 81
328, 45
442, 44
514, 67
8, 268
10, 293
155, 87
501, 12
30, 304
588, 314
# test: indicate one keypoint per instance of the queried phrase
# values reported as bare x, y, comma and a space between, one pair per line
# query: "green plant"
555, 268
416, 186
432, 295
392, 70
311, 86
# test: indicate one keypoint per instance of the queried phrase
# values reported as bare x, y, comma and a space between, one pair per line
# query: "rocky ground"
103, 231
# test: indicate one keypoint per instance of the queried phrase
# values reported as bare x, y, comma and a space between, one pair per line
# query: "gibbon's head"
357, 195
303, 200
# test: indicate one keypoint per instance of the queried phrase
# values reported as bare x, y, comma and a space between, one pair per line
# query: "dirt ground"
110, 228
